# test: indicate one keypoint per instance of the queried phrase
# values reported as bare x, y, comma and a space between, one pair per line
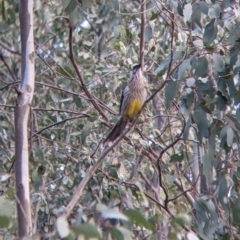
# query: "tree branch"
143, 19
94, 168
8, 68
78, 193
9, 50
80, 76
60, 122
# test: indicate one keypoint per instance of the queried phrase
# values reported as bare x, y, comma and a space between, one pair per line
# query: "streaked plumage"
133, 97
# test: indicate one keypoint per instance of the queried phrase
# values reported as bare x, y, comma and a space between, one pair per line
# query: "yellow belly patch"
133, 108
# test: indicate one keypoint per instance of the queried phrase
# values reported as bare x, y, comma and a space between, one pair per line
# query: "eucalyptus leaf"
116, 234
113, 214
87, 3
180, 10
218, 62
122, 30
182, 219
148, 33
204, 7
184, 69
86, 131
196, 16
122, 48
230, 136
201, 67
200, 118
4, 221
214, 11
190, 82
73, 16
236, 211
6, 207
71, 6
162, 67
87, 230
62, 227
222, 190
207, 166
234, 34
137, 217
170, 92
210, 33
187, 12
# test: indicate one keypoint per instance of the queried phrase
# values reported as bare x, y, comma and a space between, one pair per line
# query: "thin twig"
22, 208
60, 122
79, 95
173, 143
56, 110
42, 44
8, 68
142, 40
54, 72
9, 84
185, 191
162, 151
55, 180
9, 50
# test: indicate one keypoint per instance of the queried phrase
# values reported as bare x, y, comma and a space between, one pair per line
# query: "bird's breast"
133, 107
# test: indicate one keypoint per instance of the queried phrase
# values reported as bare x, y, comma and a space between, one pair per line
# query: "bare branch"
60, 122
9, 50
10, 84
142, 40
8, 68
97, 107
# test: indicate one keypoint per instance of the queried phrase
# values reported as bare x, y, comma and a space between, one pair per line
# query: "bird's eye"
135, 68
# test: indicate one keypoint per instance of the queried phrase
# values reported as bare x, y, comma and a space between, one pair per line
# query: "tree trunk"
24, 99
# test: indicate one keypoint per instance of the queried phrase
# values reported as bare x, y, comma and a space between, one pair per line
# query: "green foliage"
138, 218
87, 230
194, 46
6, 212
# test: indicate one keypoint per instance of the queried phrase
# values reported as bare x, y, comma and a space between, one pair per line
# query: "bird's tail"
116, 131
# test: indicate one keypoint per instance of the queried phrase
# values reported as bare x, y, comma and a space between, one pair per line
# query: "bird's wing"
121, 102
125, 93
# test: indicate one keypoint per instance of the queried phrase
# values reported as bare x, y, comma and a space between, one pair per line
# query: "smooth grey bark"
22, 109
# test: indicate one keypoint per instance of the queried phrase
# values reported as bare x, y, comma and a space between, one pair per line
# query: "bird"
133, 97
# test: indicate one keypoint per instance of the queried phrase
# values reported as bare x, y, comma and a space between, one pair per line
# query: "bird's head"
136, 71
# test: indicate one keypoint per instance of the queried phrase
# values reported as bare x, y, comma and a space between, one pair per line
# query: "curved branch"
89, 95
